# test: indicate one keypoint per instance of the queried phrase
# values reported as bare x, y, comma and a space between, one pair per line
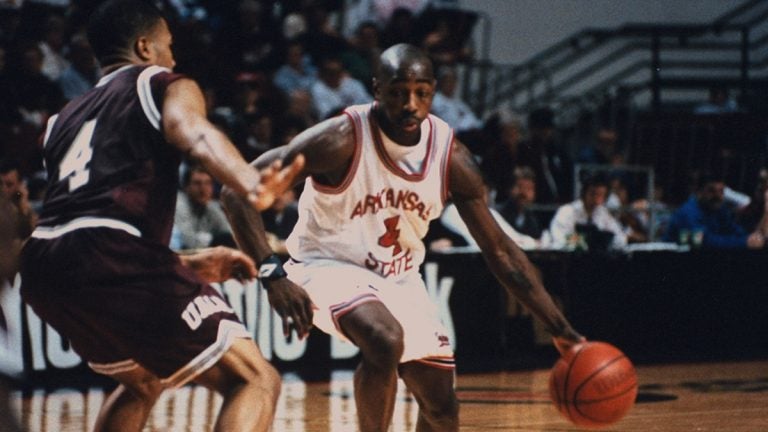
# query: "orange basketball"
593, 385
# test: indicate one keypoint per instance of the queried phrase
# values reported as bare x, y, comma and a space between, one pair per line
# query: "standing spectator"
545, 154
13, 189
447, 104
336, 90
515, 209
705, 215
199, 219
588, 212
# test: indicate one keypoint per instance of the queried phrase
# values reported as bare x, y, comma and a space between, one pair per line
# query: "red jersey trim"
446, 169
353, 165
389, 163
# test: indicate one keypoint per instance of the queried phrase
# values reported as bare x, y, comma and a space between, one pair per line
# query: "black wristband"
271, 268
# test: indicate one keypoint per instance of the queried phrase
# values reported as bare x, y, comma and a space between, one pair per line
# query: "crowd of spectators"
272, 68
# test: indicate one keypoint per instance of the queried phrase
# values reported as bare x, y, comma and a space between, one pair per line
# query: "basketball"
594, 385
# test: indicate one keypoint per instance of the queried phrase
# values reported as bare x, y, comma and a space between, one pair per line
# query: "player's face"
160, 46
405, 100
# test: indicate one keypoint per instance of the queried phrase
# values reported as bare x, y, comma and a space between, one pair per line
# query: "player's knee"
147, 390
440, 409
385, 345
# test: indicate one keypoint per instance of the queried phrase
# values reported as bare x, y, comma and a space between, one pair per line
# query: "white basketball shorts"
337, 288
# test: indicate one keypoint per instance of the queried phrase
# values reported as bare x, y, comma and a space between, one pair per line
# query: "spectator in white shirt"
449, 107
589, 209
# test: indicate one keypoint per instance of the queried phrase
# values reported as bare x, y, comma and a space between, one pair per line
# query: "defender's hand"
293, 304
275, 179
220, 263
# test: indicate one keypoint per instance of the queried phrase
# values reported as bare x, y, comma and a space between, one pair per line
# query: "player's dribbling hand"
566, 341
275, 179
293, 304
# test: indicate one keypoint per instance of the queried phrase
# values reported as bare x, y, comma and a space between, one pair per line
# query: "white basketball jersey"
379, 214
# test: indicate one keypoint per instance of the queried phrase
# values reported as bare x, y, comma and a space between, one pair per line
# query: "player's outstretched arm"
186, 126
506, 260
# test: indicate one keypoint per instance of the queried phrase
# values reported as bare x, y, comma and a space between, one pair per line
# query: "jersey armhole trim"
354, 163
144, 90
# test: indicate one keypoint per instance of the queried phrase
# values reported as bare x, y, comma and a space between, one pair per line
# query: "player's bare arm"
327, 147
185, 125
506, 260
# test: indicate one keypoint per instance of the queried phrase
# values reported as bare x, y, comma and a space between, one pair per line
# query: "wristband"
271, 268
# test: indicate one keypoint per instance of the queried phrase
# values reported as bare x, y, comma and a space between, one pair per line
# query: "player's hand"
293, 304
567, 340
275, 179
220, 263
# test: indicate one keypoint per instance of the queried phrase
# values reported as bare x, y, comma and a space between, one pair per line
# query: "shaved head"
403, 61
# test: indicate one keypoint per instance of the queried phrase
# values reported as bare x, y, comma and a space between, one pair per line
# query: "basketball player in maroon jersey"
97, 267
350, 224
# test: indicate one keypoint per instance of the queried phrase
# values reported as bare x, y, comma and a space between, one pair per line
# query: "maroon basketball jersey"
107, 159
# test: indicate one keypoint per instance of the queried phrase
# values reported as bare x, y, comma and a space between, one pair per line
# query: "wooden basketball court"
729, 397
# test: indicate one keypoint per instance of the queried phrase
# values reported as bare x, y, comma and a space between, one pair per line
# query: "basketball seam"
591, 401
567, 378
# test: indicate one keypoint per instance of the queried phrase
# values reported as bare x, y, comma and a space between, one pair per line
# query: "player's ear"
142, 48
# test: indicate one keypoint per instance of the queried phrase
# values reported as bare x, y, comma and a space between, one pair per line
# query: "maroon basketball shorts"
122, 301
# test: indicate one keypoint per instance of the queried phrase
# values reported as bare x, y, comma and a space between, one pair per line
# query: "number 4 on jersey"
390, 238
74, 164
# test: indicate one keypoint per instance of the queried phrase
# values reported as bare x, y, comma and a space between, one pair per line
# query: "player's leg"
127, 408
433, 389
379, 336
249, 385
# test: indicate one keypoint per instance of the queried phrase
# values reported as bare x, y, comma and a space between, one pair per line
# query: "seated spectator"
653, 215
706, 215
13, 189
362, 56
448, 106
586, 215
335, 89
52, 47
297, 73
280, 219
199, 221
603, 150
545, 153
619, 204
83, 71
750, 215
501, 137
515, 209
719, 102
452, 221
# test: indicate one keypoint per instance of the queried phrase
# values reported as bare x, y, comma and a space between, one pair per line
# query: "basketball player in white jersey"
375, 177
